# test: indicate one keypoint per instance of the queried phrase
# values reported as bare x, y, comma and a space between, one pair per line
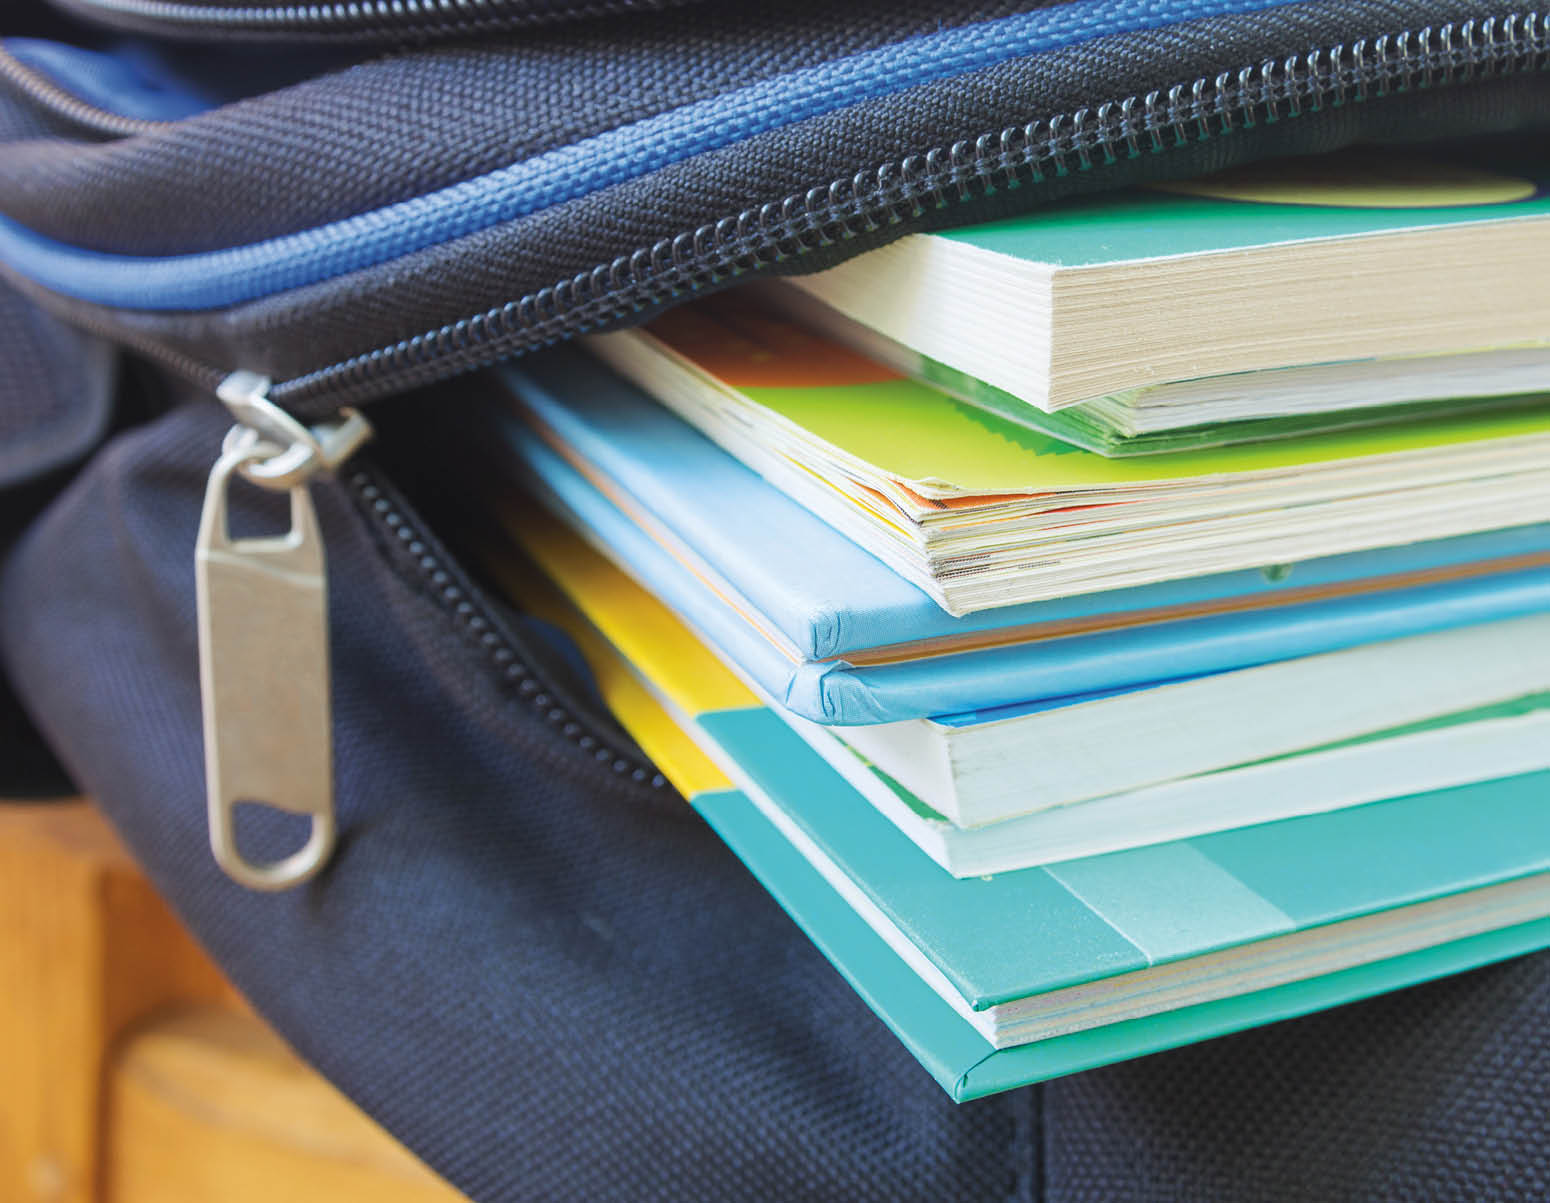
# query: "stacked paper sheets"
980, 511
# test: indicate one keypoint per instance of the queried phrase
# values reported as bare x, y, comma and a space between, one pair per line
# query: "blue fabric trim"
220, 278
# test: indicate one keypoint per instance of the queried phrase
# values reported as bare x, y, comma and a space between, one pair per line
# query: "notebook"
1352, 256
835, 636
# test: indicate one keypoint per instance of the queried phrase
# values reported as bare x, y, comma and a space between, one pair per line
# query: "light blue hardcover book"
833, 634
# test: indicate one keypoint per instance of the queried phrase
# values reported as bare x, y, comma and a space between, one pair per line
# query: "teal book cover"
1342, 195
999, 939
963, 1062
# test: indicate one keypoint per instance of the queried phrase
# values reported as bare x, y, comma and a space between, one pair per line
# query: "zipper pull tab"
263, 635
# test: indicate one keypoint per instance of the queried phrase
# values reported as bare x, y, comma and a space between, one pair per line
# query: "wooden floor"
131, 1072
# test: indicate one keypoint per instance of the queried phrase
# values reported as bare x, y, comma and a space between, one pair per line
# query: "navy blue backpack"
526, 956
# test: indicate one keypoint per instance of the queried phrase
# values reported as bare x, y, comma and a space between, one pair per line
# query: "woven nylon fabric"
1441, 1093
551, 983
18, 121
392, 19
56, 401
405, 125
550, 10
56, 392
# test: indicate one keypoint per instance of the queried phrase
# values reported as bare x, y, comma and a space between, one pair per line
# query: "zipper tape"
1172, 119
419, 557
216, 279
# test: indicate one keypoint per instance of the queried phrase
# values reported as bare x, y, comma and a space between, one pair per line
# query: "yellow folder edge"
646, 632
615, 622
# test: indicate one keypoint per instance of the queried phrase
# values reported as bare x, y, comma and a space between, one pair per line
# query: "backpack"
518, 948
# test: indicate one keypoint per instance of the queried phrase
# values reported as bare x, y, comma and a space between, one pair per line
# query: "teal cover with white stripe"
964, 1063
1002, 938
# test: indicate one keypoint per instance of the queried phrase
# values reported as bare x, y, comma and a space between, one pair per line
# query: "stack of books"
1101, 630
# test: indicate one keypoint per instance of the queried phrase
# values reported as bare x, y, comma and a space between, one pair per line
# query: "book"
967, 1065
835, 636
1505, 739
1457, 748
1136, 952
976, 770
1346, 257
1218, 411
979, 511
1074, 946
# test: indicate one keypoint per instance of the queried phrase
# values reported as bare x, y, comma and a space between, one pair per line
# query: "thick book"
834, 635
1219, 411
1061, 949
1026, 976
1312, 261
979, 511
1456, 748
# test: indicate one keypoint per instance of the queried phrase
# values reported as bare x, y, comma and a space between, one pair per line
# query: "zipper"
271, 444
43, 92
441, 580
1085, 140
263, 636
264, 667
358, 18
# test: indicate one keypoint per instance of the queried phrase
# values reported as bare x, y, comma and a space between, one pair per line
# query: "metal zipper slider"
263, 635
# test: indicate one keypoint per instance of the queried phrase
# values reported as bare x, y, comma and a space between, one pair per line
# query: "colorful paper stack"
1072, 730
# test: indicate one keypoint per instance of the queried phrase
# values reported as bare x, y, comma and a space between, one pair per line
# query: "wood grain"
131, 1071
210, 1105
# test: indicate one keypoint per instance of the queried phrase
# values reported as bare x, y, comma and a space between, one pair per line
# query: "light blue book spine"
822, 592
709, 591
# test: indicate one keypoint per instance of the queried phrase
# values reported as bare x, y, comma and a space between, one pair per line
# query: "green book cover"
1344, 195
1085, 427
791, 383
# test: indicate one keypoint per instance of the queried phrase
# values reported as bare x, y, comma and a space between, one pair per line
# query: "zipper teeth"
475, 623
387, 17
1081, 141
45, 93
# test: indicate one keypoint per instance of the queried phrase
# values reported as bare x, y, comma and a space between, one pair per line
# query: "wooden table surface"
131, 1071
